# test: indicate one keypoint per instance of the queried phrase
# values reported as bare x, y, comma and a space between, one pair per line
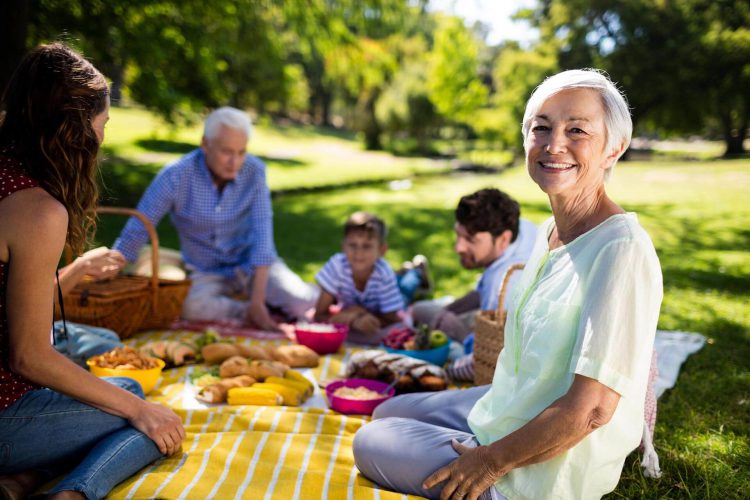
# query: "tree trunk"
370, 125
734, 136
325, 107
114, 72
735, 146
14, 20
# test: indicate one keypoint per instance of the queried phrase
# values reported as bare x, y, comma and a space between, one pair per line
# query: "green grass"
696, 213
138, 145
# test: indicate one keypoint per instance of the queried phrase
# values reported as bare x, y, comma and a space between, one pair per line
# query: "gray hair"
228, 117
617, 122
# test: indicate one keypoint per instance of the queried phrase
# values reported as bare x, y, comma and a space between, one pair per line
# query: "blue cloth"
54, 434
517, 252
408, 283
469, 344
380, 296
219, 231
83, 341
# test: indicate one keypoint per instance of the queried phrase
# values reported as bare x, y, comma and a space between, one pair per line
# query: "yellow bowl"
147, 378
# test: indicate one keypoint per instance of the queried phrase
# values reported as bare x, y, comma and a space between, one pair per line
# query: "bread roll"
296, 356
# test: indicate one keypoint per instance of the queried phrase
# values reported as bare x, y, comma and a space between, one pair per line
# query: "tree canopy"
394, 68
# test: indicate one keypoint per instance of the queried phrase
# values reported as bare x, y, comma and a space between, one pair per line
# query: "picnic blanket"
672, 349
285, 452
254, 452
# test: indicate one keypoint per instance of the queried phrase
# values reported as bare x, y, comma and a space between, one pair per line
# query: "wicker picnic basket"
488, 334
125, 303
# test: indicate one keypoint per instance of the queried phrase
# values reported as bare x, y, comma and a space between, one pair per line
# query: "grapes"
397, 337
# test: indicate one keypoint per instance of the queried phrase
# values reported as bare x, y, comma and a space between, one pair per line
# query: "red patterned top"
12, 385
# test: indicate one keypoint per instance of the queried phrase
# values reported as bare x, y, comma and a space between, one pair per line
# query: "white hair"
228, 117
617, 122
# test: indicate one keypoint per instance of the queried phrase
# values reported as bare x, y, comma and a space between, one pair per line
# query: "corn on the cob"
298, 377
304, 389
254, 396
291, 396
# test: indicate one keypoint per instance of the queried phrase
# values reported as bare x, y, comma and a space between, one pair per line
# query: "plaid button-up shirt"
219, 231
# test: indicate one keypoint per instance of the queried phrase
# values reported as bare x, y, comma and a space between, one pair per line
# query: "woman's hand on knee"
470, 475
161, 425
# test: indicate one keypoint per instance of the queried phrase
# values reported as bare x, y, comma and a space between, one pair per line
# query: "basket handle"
501, 312
153, 236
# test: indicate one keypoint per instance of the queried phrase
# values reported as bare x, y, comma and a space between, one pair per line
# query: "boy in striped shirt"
361, 282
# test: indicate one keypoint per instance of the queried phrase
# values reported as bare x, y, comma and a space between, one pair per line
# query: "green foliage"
516, 75
453, 84
404, 109
685, 64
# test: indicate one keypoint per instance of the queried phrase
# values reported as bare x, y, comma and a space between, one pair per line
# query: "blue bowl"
437, 356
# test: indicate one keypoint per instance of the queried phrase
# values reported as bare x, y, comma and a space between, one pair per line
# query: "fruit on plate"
397, 337
438, 338
406, 339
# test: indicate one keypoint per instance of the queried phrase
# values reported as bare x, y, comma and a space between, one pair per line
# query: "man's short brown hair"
489, 210
366, 222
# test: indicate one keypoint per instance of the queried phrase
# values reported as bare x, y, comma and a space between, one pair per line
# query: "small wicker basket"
127, 304
488, 334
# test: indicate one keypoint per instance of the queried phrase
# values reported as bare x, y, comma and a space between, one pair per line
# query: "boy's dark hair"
488, 210
367, 223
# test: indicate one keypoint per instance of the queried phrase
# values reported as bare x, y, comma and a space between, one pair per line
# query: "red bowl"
321, 342
357, 406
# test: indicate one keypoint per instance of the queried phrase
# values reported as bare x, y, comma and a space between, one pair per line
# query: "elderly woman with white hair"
566, 403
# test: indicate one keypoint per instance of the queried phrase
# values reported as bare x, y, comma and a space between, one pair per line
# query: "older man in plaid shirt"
218, 199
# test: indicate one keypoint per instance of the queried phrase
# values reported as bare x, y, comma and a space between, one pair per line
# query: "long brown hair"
49, 103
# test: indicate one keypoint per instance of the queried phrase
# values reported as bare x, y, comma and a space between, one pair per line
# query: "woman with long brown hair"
55, 417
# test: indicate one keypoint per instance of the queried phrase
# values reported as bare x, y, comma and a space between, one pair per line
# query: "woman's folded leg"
445, 408
400, 453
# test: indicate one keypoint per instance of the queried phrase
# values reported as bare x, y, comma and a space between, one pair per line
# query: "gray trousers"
426, 311
212, 296
410, 437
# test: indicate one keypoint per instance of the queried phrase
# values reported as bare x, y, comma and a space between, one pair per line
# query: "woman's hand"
160, 424
470, 475
101, 263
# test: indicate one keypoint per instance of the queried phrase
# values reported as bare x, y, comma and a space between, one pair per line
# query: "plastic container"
321, 342
436, 356
357, 406
147, 378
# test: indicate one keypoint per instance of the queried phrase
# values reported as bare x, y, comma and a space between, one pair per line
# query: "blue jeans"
53, 434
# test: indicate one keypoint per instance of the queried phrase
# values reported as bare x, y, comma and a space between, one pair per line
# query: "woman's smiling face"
565, 145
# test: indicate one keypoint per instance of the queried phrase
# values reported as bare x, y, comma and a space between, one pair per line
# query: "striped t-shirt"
380, 296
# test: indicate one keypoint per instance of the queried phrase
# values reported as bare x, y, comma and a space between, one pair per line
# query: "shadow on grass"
176, 147
691, 248
282, 162
108, 228
123, 182
293, 130
164, 146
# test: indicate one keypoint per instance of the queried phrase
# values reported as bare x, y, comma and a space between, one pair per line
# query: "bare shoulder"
35, 209
34, 204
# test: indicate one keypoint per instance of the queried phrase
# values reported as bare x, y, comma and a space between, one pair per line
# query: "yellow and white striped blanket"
254, 452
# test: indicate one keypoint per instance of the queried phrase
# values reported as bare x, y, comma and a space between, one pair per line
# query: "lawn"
138, 145
696, 212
